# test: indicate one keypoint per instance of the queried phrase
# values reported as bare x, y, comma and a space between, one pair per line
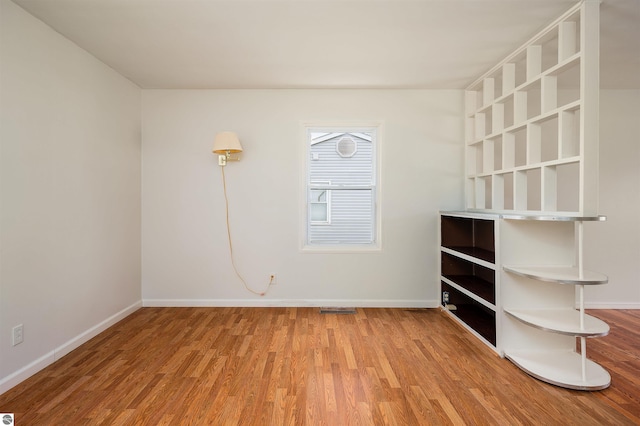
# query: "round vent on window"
346, 147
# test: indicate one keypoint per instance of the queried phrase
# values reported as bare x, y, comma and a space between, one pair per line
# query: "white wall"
70, 195
613, 247
185, 254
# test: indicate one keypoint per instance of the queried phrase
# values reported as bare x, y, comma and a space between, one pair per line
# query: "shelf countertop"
516, 215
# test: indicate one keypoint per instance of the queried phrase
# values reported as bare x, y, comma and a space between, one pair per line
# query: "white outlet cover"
18, 334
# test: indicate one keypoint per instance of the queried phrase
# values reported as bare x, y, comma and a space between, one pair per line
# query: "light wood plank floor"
280, 366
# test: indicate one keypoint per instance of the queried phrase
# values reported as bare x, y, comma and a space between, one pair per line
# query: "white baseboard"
588, 305
50, 357
264, 303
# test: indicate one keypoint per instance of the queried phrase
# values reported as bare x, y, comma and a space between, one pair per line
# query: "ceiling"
424, 44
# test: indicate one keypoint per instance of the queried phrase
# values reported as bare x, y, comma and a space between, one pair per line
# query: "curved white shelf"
559, 274
561, 368
563, 321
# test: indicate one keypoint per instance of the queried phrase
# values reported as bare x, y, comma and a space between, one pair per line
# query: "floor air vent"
337, 310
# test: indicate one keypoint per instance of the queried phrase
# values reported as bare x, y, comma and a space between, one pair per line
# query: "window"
319, 204
346, 147
341, 188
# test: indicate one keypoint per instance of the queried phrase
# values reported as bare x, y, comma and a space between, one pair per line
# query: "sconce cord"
233, 262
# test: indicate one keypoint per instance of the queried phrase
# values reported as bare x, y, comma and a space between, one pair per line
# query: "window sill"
370, 248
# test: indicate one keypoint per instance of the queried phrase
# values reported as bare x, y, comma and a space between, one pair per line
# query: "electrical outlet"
18, 334
272, 279
445, 297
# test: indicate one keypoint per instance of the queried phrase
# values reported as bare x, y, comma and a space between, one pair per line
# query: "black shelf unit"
468, 272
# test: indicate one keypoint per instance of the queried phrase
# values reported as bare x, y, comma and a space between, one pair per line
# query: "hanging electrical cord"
233, 262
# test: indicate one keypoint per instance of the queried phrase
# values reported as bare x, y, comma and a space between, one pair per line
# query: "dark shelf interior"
471, 236
475, 315
475, 278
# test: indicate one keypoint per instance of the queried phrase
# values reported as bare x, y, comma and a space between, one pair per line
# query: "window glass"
341, 187
319, 205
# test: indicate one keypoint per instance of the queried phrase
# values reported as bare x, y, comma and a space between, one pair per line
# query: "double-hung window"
341, 188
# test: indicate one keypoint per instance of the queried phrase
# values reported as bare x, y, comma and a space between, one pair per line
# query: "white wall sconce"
225, 144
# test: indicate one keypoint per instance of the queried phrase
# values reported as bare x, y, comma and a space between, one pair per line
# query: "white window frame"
306, 128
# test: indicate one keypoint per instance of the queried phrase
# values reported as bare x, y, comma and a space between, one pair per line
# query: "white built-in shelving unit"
531, 123
517, 283
512, 263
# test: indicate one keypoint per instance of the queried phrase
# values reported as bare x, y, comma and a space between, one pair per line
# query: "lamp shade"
226, 142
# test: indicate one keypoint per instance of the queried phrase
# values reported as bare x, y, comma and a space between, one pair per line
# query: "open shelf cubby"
475, 278
469, 236
471, 313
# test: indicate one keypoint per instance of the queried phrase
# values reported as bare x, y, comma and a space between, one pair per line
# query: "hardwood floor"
277, 366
